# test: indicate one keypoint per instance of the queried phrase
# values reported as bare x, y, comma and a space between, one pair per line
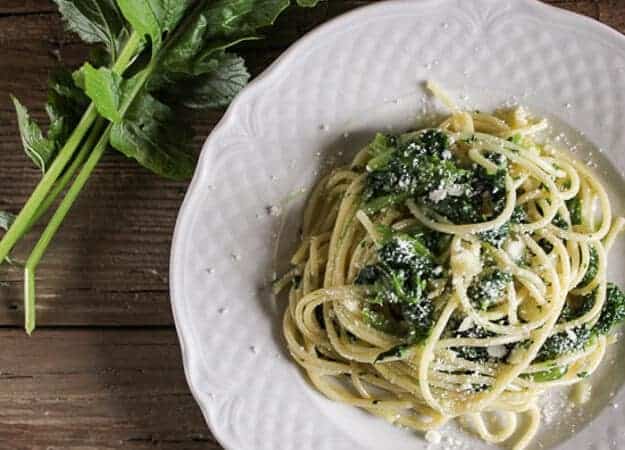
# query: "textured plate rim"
190, 349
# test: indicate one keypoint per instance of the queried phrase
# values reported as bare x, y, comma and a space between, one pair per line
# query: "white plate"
328, 94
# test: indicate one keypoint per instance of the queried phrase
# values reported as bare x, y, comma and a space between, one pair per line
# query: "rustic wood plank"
19, 7
612, 13
96, 389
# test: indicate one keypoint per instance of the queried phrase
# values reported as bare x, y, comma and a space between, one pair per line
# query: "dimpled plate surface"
322, 100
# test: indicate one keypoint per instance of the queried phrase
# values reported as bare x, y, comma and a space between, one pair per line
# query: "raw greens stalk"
153, 59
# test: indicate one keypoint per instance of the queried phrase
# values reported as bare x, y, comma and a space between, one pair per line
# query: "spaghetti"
454, 272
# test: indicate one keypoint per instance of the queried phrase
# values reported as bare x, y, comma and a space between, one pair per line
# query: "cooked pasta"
454, 272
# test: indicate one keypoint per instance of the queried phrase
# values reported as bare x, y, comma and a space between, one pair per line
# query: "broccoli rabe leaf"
560, 222
498, 236
410, 167
473, 353
563, 343
396, 284
219, 25
38, 148
6, 219
488, 287
613, 311
152, 134
153, 18
482, 200
223, 78
104, 88
477, 354
96, 22
576, 339
381, 149
66, 104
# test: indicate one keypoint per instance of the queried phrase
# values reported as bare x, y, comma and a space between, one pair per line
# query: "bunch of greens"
151, 57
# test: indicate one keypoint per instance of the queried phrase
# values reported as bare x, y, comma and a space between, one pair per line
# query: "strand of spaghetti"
532, 428
617, 227
427, 355
440, 94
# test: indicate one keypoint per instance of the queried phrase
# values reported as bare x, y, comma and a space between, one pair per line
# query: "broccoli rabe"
423, 168
410, 168
479, 354
381, 150
396, 301
613, 311
563, 343
483, 197
434, 241
498, 236
476, 354
488, 287
612, 314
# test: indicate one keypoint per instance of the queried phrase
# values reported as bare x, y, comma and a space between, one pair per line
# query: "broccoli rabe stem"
68, 201
53, 226
25, 218
69, 173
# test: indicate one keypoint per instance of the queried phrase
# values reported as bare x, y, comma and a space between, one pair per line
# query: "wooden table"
103, 369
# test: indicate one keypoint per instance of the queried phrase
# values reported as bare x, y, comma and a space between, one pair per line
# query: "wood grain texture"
96, 389
103, 371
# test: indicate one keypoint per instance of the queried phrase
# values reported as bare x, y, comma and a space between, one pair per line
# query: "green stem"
25, 216
24, 219
53, 226
69, 172
72, 194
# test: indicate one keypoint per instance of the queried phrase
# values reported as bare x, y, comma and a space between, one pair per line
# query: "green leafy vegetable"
396, 302
612, 314
103, 87
6, 219
563, 343
65, 106
488, 287
411, 167
96, 22
613, 311
153, 58
479, 354
224, 76
150, 134
37, 147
